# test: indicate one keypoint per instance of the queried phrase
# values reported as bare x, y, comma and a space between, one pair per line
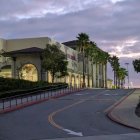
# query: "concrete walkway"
131, 136
124, 112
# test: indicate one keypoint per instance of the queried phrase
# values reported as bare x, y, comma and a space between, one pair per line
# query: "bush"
137, 110
12, 87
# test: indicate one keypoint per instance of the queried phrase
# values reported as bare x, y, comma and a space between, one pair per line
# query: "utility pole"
128, 73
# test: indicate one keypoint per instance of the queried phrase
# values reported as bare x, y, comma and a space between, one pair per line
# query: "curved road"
79, 114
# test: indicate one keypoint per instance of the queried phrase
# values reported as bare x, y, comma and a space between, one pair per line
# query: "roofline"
9, 39
21, 51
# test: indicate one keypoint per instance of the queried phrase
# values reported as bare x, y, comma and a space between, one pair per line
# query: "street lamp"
128, 73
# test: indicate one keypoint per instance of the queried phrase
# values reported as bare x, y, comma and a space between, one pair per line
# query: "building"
22, 59
96, 73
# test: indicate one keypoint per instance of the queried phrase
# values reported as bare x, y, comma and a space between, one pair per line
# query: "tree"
54, 61
114, 61
121, 73
136, 65
83, 43
89, 52
103, 59
93, 52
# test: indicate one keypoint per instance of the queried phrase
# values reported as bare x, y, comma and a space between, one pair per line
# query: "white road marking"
73, 133
86, 93
78, 94
81, 94
106, 94
111, 94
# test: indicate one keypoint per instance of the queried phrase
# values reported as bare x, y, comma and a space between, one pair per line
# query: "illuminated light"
29, 72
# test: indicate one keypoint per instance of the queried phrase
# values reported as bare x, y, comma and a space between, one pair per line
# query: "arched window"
29, 72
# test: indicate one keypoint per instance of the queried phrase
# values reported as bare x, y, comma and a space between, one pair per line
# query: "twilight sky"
113, 24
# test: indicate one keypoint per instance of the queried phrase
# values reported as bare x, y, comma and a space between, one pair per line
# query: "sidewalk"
131, 136
124, 112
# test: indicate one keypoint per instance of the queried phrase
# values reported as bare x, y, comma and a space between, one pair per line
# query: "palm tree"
97, 60
106, 59
136, 65
103, 59
88, 51
114, 61
122, 73
92, 51
87, 65
83, 43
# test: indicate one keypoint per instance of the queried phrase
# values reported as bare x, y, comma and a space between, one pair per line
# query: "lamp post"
128, 73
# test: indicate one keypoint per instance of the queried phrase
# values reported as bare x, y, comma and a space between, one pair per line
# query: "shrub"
11, 87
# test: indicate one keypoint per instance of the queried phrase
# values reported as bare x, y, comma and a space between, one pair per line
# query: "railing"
32, 97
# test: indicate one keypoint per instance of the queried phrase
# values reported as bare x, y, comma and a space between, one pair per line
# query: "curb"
117, 120
27, 104
20, 106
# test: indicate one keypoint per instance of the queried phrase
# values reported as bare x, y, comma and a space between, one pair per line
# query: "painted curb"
117, 120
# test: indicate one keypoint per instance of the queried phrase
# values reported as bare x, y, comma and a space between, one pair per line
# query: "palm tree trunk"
121, 83
105, 75
83, 84
102, 85
96, 76
88, 71
92, 73
118, 83
114, 79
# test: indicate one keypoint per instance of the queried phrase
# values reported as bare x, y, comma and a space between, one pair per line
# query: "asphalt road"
79, 114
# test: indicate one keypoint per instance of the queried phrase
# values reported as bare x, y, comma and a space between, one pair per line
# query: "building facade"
22, 59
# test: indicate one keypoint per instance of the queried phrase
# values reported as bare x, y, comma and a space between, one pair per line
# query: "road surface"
79, 114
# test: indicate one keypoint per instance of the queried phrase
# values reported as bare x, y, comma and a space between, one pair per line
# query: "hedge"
12, 87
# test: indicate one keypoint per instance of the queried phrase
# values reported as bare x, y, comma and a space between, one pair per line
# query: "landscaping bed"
14, 87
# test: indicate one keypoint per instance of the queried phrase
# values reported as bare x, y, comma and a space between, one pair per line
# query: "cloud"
102, 20
109, 23
25, 9
112, 24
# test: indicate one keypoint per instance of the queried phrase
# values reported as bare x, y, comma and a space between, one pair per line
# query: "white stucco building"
26, 54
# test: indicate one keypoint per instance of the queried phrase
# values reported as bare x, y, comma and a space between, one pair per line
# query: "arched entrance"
28, 72
68, 79
73, 80
77, 81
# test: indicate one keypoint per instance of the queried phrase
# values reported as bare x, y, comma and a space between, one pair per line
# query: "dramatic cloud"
112, 24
